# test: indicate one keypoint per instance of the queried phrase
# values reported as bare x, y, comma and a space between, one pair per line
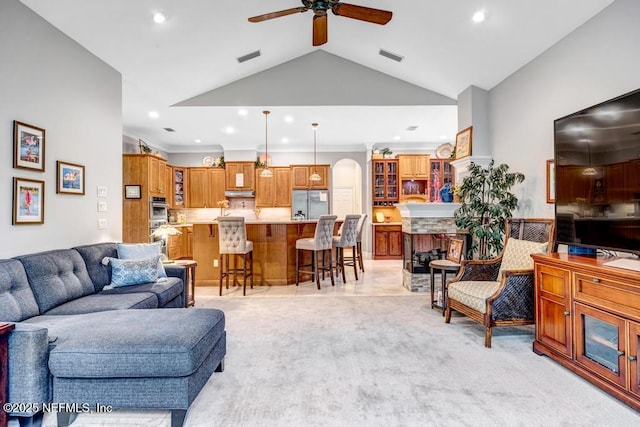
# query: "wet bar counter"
274, 250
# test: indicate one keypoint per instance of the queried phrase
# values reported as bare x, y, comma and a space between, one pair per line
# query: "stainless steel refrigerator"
309, 203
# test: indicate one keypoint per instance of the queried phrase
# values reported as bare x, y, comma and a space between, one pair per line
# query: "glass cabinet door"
392, 181
601, 343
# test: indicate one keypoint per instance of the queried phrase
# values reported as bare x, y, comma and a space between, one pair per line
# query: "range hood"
236, 194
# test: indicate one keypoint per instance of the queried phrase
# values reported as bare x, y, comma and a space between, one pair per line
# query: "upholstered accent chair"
233, 241
500, 291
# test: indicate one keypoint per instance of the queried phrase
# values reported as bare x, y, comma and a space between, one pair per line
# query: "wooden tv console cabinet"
588, 320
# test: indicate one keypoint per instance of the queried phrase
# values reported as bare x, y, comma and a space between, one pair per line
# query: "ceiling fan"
320, 8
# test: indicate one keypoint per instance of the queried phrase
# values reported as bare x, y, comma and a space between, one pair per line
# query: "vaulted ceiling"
186, 68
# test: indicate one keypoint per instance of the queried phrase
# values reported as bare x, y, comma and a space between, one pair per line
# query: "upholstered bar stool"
357, 253
318, 245
347, 239
233, 241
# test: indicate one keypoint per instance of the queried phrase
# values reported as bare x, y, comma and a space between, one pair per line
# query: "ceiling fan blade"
272, 15
361, 13
320, 33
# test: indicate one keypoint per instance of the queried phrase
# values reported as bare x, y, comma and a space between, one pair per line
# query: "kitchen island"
274, 250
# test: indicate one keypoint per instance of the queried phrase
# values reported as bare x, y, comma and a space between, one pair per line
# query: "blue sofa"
77, 341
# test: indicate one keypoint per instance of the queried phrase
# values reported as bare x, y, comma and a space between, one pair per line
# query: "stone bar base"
419, 282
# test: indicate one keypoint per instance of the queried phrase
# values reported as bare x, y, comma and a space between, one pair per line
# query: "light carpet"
378, 361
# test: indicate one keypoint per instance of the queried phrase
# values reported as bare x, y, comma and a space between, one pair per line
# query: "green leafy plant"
386, 151
486, 201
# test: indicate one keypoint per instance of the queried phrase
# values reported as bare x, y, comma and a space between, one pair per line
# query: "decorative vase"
446, 195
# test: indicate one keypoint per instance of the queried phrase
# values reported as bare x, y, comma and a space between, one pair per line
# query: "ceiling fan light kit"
320, 8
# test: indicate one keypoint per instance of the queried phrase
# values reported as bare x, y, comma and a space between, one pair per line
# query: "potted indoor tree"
486, 201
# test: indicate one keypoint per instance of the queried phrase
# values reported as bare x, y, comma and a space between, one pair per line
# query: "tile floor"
380, 277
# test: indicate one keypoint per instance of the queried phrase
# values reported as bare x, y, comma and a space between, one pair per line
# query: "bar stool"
320, 243
357, 253
233, 241
345, 240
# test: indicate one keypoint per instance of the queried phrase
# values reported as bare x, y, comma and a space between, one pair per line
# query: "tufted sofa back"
93, 255
56, 277
17, 301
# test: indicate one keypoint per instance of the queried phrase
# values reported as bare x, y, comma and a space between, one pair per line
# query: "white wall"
50, 81
598, 61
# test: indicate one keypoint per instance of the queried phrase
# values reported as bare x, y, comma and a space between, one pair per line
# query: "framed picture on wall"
463, 143
551, 181
28, 201
70, 178
28, 146
132, 192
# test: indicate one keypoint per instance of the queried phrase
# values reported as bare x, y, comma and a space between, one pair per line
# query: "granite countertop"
176, 225
268, 221
386, 223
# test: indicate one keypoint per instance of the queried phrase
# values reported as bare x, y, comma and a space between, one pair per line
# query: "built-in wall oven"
158, 208
158, 214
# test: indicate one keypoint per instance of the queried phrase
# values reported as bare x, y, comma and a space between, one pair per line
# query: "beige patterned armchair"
500, 291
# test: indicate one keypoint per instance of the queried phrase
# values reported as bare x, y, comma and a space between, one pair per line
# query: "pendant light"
589, 171
266, 172
315, 176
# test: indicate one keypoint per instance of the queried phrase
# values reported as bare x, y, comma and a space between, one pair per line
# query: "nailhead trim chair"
318, 245
233, 241
345, 240
500, 291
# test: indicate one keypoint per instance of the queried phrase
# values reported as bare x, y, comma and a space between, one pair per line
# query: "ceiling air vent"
249, 56
169, 129
412, 128
391, 55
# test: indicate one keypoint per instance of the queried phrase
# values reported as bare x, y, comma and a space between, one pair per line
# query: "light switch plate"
102, 206
102, 223
102, 191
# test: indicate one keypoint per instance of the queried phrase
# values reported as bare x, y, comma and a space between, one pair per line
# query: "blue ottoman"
143, 359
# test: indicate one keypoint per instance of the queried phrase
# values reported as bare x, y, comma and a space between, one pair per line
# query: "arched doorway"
346, 178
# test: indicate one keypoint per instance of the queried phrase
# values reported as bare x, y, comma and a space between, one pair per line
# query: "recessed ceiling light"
242, 112
154, 114
285, 140
197, 141
479, 16
288, 119
396, 137
229, 129
159, 17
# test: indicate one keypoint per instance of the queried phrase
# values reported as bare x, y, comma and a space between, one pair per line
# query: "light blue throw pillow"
142, 250
128, 272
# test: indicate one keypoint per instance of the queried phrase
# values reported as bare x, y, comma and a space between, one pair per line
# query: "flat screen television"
597, 176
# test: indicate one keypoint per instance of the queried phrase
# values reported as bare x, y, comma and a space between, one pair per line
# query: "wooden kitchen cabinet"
441, 172
157, 176
385, 182
387, 242
181, 245
588, 320
300, 177
206, 187
179, 186
414, 166
233, 172
274, 191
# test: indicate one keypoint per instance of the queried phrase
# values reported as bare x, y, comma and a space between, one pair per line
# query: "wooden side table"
5, 328
444, 266
190, 285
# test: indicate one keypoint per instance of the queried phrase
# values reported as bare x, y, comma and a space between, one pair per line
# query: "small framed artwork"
28, 146
132, 192
454, 253
28, 201
463, 143
551, 181
70, 178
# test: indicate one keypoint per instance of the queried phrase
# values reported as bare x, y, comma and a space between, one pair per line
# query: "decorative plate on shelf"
444, 151
207, 161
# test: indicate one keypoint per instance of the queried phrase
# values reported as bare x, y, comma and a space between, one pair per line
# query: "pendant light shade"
589, 171
315, 176
266, 172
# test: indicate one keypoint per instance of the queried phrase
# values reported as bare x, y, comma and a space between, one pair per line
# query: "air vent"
390, 55
412, 128
249, 56
169, 129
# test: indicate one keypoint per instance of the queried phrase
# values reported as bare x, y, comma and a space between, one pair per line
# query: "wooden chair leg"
360, 261
447, 317
344, 277
355, 264
220, 267
333, 282
314, 268
251, 267
297, 266
244, 275
487, 336
228, 270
